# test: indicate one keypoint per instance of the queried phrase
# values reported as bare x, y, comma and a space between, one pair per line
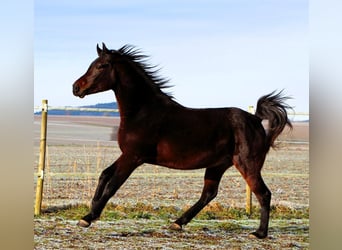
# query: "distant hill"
70, 110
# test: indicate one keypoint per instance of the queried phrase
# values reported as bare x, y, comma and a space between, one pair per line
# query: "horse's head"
100, 75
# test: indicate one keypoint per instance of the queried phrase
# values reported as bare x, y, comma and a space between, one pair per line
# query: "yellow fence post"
248, 190
41, 166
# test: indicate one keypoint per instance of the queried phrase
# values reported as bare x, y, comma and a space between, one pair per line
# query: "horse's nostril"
76, 88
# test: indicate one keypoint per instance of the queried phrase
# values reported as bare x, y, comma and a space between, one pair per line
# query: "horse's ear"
105, 50
99, 51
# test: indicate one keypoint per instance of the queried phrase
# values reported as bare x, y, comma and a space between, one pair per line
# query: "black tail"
272, 107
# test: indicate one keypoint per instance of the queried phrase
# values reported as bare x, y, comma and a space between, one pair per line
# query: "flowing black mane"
135, 55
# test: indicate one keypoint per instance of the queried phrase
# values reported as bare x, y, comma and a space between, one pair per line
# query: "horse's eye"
102, 65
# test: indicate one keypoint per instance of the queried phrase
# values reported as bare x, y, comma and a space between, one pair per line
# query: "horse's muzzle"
76, 90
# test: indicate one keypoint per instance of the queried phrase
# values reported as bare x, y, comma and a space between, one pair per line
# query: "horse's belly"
182, 157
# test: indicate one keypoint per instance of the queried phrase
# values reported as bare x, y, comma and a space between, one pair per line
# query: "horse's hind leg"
211, 182
263, 195
252, 175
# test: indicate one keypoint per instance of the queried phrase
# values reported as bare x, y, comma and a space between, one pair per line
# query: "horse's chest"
138, 141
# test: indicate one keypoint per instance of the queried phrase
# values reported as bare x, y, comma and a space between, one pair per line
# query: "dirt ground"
73, 167
56, 233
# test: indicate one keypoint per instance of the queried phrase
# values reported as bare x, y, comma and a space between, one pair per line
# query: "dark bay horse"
156, 129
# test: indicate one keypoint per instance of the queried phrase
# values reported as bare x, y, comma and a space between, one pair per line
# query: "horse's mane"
135, 55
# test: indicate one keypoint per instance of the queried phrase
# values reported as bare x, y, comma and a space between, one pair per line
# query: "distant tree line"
111, 105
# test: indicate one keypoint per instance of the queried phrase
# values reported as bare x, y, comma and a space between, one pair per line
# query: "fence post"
248, 190
41, 166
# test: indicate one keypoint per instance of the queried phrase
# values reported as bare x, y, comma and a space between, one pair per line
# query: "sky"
217, 53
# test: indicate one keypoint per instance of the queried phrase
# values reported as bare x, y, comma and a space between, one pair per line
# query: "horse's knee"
105, 174
209, 195
213, 194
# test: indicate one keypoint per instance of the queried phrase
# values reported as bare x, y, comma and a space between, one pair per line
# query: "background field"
79, 148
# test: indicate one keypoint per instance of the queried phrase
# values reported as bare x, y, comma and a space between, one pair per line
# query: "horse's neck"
132, 101
136, 94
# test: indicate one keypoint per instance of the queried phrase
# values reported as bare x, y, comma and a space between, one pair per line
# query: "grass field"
138, 215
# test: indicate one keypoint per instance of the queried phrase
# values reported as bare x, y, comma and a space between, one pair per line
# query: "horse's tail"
272, 107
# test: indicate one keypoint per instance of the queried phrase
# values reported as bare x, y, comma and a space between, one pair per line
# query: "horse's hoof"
176, 227
256, 235
83, 223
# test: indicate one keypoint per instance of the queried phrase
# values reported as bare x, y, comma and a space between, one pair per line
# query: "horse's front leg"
110, 181
103, 180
